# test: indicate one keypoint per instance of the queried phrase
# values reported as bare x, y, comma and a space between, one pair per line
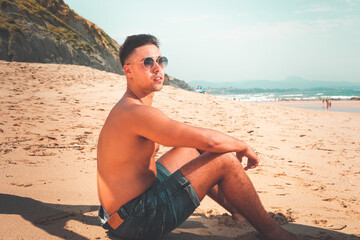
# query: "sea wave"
268, 95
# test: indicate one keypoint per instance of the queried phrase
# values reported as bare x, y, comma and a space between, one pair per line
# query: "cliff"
48, 31
177, 83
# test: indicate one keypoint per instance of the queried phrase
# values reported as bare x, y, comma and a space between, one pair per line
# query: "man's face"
148, 80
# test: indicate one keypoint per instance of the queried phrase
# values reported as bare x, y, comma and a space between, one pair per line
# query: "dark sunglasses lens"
148, 62
163, 61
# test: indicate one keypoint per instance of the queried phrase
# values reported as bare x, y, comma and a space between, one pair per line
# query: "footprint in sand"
21, 185
280, 174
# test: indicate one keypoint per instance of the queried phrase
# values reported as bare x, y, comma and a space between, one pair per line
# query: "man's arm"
151, 123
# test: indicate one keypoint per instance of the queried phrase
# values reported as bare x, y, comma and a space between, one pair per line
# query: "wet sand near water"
336, 105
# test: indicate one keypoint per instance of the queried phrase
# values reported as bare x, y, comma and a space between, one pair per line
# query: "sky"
234, 40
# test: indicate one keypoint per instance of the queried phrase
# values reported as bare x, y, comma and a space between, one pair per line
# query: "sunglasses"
149, 62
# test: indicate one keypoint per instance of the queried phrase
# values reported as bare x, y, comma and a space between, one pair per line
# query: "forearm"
217, 142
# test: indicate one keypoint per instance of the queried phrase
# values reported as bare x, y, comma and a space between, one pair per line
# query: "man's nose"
156, 67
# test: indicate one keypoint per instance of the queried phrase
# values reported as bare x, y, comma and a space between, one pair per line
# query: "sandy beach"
51, 115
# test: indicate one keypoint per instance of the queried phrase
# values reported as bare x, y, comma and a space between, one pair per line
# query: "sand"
336, 105
50, 118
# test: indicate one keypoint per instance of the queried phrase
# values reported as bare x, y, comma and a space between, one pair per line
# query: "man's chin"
158, 87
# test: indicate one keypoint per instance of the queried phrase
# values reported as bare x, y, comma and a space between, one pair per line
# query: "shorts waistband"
116, 219
124, 212
113, 221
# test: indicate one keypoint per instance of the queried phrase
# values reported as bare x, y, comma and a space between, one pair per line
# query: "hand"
253, 160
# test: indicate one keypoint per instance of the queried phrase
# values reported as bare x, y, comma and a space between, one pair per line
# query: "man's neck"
143, 99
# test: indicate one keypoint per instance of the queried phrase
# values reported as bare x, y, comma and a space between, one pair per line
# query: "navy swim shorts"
159, 210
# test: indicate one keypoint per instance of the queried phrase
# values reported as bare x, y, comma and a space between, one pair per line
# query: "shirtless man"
144, 199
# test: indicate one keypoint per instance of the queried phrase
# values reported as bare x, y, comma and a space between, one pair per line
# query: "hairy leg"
225, 171
218, 196
178, 157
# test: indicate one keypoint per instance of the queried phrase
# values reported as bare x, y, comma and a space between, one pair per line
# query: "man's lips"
158, 78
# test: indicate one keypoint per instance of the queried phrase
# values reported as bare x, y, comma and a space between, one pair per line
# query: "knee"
230, 162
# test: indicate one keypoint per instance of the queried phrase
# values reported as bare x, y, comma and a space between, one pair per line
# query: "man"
142, 198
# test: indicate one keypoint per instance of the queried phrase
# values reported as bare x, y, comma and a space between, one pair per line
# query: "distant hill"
176, 83
48, 31
290, 82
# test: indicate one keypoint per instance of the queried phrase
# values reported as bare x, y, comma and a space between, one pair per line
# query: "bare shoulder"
136, 120
129, 114
133, 111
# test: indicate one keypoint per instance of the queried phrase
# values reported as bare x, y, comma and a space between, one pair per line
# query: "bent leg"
218, 196
225, 170
178, 157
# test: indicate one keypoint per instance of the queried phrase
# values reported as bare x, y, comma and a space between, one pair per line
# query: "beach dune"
50, 119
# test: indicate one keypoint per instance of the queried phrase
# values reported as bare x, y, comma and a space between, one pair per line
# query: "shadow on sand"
201, 230
303, 232
51, 218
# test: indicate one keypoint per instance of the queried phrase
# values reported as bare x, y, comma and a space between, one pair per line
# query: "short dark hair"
133, 42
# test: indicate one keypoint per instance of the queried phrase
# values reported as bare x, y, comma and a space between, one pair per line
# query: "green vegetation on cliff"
52, 21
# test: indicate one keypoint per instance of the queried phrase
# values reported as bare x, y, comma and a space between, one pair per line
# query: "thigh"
178, 157
209, 169
176, 199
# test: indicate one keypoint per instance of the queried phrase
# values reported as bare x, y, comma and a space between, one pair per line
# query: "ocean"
269, 95
293, 97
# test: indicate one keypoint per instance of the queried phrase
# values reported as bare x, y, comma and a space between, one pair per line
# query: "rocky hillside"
48, 31
177, 83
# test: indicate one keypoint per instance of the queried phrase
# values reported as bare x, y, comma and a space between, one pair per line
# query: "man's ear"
127, 70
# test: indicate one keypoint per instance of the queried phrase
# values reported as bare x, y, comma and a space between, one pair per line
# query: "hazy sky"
230, 40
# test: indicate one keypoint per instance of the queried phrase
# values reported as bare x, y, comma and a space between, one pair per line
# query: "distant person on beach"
144, 199
200, 90
328, 104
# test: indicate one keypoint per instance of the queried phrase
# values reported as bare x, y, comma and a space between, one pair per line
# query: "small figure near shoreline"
328, 104
200, 90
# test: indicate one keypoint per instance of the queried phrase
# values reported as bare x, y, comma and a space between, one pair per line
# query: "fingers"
251, 164
250, 167
252, 160
239, 156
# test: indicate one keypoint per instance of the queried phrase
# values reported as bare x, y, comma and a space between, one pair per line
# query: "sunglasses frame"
153, 62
